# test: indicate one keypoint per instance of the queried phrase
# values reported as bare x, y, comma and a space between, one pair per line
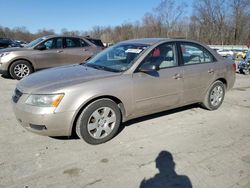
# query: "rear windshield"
96, 42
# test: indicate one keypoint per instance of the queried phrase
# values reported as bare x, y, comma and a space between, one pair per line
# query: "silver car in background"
128, 80
46, 52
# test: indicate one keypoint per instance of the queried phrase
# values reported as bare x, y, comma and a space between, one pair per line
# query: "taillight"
234, 67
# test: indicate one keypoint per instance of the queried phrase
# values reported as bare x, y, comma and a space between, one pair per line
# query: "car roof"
89, 39
152, 41
148, 41
52, 36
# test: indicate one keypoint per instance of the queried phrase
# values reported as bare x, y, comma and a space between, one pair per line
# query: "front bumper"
43, 121
3, 65
3, 69
3, 72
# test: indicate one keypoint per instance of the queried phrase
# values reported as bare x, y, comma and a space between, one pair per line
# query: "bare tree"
205, 15
240, 17
212, 22
152, 26
169, 14
44, 32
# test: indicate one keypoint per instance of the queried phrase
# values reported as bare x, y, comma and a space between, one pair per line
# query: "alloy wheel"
21, 70
216, 95
101, 122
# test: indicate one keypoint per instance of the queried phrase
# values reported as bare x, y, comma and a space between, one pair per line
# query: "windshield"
118, 58
34, 42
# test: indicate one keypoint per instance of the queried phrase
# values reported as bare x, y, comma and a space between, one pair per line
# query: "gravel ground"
187, 147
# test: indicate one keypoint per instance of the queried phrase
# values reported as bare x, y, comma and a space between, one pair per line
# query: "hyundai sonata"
128, 80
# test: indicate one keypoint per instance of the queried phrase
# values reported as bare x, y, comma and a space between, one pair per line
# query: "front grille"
17, 95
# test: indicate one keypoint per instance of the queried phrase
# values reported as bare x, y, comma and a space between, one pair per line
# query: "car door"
199, 68
51, 55
158, 90
76, 50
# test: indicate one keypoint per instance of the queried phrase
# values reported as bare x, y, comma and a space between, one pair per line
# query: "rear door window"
195, 54
72, 43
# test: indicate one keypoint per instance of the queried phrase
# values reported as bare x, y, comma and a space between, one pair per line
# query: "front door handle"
210, 71
177, 76
59, 51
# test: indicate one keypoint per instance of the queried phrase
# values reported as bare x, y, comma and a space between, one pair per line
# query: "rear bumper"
231, 81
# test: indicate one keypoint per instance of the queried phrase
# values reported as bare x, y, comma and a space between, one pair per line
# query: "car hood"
52, 80
14, 49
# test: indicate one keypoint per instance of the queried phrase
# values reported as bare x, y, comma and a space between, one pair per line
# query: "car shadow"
167, 177
136, 120
6, 77
72, 137
157, 115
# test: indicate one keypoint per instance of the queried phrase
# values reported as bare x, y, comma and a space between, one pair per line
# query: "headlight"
4, 54
44, 100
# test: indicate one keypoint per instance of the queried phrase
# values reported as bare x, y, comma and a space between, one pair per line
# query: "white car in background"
225, 53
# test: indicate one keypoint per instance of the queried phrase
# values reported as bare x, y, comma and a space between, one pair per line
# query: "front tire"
99, 121
20, 69
215, 96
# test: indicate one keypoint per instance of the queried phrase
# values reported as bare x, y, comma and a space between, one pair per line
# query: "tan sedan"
128, 80
47, 52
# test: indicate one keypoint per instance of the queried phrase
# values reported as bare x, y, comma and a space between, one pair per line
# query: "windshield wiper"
100, 67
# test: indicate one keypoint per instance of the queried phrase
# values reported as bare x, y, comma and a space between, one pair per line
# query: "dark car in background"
46, 52
8, 43
21, 43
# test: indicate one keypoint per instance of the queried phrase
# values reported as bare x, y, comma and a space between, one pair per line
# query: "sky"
80, 15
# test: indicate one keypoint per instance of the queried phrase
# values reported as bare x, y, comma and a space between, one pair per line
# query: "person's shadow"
167, 177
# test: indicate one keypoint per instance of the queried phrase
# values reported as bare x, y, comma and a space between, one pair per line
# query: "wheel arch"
206, 101
21, 59
84, 105
223, 80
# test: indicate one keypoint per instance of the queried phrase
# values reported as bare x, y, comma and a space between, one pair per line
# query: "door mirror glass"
148, 68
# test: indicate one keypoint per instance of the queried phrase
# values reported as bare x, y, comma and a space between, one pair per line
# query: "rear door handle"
177, 76
59, 51
210, 71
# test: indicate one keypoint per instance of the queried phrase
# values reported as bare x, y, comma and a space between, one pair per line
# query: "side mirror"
149, 68
41, 47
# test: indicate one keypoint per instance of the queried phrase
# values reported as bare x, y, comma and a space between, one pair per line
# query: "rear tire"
20, 69
99, 121
215, 96
246, 71
241, 71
